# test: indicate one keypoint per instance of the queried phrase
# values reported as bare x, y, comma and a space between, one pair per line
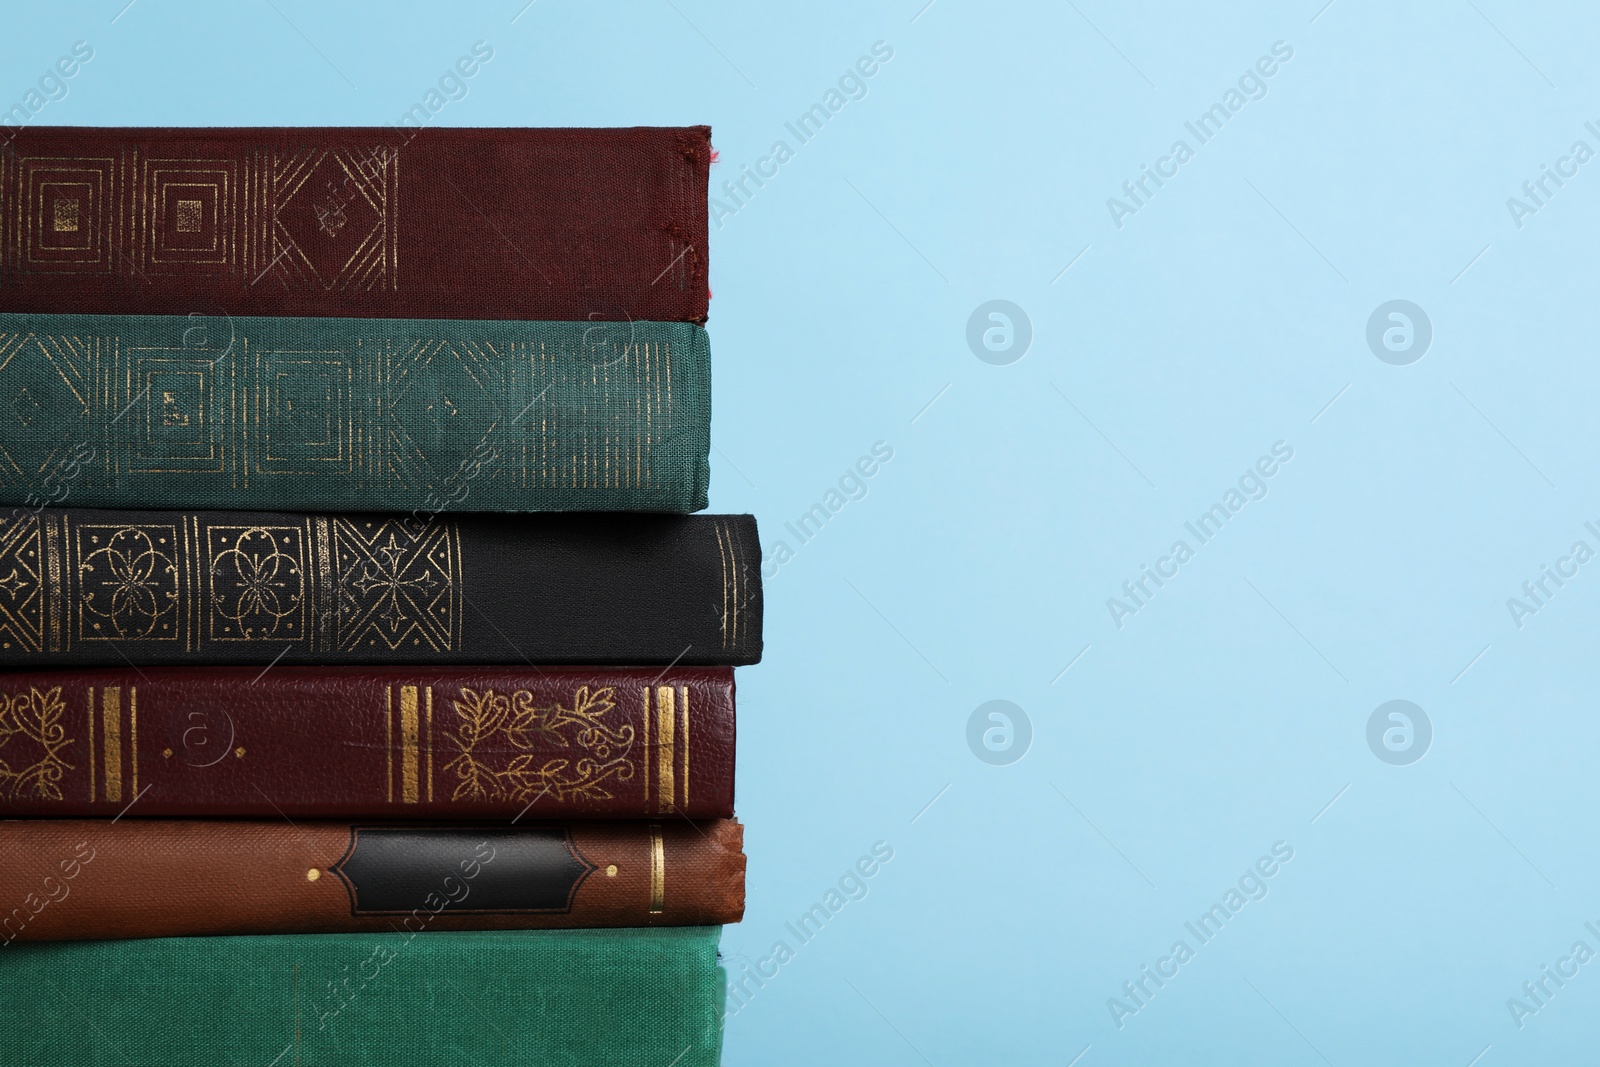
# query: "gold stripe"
429, 691
716, 530
646, 759
326, 617
111, 720
67, 573
683, 698
52, 557
191, 535
733, 603
389, 219
133, 734
456, 561
658, 872
388, 740
408, 744
92, 797
195, 556
733, 551
666, 790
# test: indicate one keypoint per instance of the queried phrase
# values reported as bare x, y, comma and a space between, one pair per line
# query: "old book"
154, 588
391, 999
96, 879
347, 414
383, 222
387, 742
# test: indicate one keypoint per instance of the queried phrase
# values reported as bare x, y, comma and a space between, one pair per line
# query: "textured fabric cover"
154, 588
345, 414
551, 998
392, 222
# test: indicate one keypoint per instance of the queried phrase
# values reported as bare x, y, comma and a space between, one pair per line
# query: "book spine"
87, 588
409, 415
130, 878
585, 225
398, 744
644, 996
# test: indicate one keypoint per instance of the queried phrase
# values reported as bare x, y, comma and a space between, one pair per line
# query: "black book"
109, 588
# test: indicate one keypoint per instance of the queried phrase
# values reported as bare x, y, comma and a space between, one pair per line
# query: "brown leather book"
74, 880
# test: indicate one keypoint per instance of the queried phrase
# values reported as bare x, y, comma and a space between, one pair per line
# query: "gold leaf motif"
491, 720
35, 716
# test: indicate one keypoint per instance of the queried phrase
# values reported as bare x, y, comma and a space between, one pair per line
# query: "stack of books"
368, 691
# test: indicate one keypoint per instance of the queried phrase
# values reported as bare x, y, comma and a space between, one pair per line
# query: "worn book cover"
94, 879
412, 415
117, 589
513, 223
387, 742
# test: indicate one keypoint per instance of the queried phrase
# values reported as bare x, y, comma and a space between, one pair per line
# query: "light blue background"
1229, 313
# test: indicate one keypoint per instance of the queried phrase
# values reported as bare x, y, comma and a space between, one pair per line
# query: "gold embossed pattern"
256, 582
314, 219
397, 588
33, 728
320, 585
600, 752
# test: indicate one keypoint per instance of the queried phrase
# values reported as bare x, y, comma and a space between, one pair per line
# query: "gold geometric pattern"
248, 402
189, 215
397, 584
175, 390
303, 413
322, 584
62, 221
332, 224
22, 592
315, 219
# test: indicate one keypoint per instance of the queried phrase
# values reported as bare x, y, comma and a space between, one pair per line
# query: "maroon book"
390, 743
379, 222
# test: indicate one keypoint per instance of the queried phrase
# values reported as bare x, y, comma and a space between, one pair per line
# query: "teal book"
491, 999
353, 414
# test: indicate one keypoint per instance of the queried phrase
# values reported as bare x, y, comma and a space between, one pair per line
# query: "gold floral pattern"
495, 724
129, 582
34, 716
257, 582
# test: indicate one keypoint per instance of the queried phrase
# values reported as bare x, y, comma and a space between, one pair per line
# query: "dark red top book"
388, 742
377, 222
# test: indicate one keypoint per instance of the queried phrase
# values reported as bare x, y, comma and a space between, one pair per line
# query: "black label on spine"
392, 870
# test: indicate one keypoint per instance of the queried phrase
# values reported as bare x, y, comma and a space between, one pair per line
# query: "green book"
336, 414
644, 996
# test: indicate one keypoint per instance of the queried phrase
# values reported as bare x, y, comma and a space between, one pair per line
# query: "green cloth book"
353, 414
547, 997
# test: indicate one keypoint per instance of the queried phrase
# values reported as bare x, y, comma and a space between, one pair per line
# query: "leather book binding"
584, 224
97, 879
88, 588
347, 414
387, 742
